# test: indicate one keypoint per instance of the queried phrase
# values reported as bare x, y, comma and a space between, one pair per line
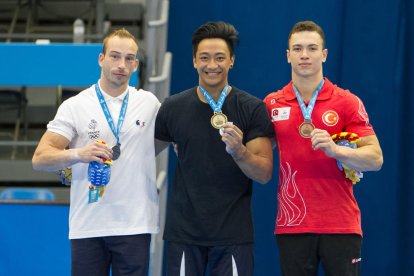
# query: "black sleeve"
161, 123
260, 124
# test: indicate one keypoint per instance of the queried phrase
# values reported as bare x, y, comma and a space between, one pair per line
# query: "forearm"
366, 158
54, 159
256, 167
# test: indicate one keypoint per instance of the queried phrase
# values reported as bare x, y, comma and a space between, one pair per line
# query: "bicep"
261, 146
53, 140
369, 140
371, 147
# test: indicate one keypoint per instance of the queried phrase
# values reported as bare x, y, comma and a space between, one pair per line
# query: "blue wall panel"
52, 64
34, 240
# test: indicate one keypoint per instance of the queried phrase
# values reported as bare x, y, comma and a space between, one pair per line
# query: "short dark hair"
308, 26
122, 33
218, 29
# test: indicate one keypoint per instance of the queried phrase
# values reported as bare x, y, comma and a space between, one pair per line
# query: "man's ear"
324, 55
100, 59
232, 59
194, 63
288, 55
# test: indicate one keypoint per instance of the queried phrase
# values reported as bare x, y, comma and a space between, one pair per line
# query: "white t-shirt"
129, 205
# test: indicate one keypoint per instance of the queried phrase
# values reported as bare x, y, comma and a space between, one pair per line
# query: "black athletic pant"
196, 260
124, 255
300, 254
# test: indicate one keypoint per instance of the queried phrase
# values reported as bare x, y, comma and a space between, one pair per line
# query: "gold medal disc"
306, 128
218, 120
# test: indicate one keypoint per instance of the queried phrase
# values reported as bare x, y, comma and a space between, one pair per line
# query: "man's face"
212, 61
119, 62
305, 54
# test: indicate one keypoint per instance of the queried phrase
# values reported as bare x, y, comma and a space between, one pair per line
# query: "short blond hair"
121, 33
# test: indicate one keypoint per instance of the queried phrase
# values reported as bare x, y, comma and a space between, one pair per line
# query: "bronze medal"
306, 128
218, 120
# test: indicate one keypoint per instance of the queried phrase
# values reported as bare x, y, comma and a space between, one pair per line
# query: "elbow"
377, 160
35, 164
378, 164
263, 181
265, 177
374, 165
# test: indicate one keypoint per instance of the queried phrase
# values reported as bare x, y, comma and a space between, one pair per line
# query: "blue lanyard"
108, 116
307, 111
215, 106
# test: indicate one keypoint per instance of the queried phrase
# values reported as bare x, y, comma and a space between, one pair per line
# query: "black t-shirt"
210, 199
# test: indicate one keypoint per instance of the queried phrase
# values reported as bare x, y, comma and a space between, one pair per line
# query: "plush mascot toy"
65, 176
348, 139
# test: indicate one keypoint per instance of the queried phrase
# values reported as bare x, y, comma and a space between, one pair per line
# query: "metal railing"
158, 75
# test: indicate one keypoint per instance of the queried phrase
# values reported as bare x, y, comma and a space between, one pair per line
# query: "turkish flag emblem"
330, 118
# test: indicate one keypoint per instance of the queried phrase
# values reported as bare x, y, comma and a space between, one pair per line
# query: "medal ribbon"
107, 113
215, 106
307, 111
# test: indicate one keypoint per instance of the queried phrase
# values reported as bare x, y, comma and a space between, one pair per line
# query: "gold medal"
306, 128
218, 120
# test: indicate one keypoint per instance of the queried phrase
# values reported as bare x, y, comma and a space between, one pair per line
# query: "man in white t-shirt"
110, 223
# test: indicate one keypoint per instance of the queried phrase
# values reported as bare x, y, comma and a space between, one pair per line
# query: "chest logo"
280, 114
140, 123
93, 133
330, 118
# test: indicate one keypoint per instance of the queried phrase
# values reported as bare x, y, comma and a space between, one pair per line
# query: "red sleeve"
357, 119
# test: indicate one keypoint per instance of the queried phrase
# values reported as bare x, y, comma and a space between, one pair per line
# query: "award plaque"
306, 128
218, 120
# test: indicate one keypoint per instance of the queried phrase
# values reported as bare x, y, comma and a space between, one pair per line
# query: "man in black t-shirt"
223, 141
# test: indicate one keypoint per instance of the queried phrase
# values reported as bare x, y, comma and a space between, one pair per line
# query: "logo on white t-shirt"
140, 123
93, 133
280, 114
